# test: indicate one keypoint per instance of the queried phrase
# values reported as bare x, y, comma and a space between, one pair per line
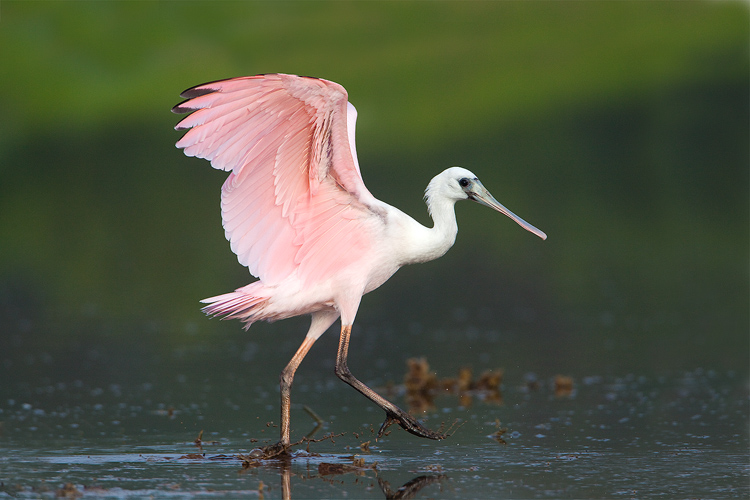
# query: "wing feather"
294, 201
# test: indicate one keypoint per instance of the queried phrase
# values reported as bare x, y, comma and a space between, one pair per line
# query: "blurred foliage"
424, 72
619, 128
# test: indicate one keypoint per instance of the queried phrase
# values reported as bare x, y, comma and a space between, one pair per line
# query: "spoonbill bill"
297, 213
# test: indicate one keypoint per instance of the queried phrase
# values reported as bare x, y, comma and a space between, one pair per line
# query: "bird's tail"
247, 304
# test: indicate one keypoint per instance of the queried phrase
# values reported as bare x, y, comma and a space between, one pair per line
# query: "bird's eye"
464, 182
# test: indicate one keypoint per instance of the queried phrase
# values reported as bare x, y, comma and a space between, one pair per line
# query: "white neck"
444, 228
425, 243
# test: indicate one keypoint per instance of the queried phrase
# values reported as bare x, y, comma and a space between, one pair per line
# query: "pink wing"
295, 199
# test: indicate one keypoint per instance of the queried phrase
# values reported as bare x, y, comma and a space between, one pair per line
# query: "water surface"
678, 436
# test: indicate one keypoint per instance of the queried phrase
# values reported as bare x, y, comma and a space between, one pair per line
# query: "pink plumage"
297, 213
294, 205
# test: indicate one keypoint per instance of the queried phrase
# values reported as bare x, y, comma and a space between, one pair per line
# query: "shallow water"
109, 372
679, 436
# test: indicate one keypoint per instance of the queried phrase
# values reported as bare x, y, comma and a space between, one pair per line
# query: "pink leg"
287, 376
320, 323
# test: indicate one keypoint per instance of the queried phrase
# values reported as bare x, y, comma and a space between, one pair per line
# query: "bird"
297, 213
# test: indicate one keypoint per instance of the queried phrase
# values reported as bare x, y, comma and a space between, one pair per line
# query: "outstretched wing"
295, 199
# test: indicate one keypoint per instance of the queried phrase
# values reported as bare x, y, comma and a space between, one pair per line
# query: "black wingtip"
181, 108
197, 91
203, 89
211, 87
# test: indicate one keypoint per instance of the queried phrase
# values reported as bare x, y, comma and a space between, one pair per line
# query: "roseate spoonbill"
297, 213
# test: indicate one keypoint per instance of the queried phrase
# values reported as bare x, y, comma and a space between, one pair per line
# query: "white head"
456, 183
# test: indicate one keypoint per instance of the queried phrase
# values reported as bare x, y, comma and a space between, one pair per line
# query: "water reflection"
281, 462
328, 473
352, 464
684, 435
410, 488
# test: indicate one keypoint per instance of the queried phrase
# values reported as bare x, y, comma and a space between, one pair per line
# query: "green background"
618, 128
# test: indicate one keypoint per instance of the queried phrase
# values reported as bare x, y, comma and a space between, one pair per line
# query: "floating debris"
69, 490
327, 469
497, 435
563, 386
278, 450
199, 442
423, 385
357, 467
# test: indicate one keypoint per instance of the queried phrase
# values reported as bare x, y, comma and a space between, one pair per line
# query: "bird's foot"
409, 424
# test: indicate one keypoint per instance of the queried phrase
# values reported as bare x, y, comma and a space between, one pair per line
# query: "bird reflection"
410, 488
326, 471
